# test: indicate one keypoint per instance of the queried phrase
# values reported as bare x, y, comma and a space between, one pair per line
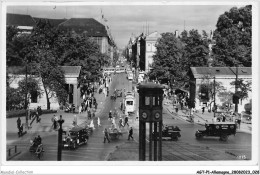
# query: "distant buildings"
24, 23
87, 26
141, 50
150, 50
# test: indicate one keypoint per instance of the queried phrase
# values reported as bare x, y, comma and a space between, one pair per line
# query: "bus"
129, 102
130, 76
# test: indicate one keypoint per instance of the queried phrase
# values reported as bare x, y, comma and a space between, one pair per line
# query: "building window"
33, 96
149, 48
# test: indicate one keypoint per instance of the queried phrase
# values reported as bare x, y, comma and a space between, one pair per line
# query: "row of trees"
45, 50
231, 47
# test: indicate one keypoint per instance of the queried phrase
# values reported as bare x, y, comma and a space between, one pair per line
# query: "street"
186, 148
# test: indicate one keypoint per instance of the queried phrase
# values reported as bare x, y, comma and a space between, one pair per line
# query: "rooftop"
88, 26
198, 72
19, 20
71, 70
53, 22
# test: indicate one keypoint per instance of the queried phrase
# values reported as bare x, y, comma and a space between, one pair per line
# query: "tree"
79, 50
196, 49
14, 98
233, 38
32, 86
244, 87
168, 59
15, 44
42, 60
208, 85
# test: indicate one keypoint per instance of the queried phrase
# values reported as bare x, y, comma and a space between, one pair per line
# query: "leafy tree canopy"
167, 59
233, 38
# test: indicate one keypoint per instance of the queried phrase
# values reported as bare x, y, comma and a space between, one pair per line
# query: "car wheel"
198, 136
223, 137
174, 138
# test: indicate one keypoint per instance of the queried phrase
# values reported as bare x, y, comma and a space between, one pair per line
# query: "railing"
12, 151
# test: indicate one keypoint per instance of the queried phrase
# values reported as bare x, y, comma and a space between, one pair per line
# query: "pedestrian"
223, 118
110, 115
203, 109
130, 135
121, 105
39, 110
89, 115
37, 117
94, 101
75, 120
182, 102
80, 108
176, 108
55, 122
126, 121
239, 120
96, 104
120, 122
106, 136
39, 139
93, 114
90, 103
18, 123
92, 124
98, 122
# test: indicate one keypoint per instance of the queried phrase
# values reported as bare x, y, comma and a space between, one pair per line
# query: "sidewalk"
46, 124
200, 118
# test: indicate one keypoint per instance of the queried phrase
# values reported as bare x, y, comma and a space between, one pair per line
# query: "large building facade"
223, 76
71, 74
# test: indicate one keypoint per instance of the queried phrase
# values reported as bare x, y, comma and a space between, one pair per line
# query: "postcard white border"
122, 167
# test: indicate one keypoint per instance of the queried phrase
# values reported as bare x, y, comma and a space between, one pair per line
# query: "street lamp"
60, 121
236, 87
26, 91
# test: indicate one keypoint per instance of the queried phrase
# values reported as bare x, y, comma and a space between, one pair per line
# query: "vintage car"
119, 93
77, 136
217, 129
169, 133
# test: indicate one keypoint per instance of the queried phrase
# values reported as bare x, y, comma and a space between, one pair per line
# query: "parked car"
217, 129
169, 133
76, 137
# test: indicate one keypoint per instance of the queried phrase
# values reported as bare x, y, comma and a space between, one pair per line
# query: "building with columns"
223, 76
71, 74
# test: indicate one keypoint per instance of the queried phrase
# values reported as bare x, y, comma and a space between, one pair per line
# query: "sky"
127, 20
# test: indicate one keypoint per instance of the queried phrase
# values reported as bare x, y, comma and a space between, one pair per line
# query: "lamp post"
214, 86
60, 121
236, 87
26, 91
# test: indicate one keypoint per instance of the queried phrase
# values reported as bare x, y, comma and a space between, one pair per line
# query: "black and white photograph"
121, 86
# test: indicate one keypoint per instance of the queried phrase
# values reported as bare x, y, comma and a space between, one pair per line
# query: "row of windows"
151, 47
